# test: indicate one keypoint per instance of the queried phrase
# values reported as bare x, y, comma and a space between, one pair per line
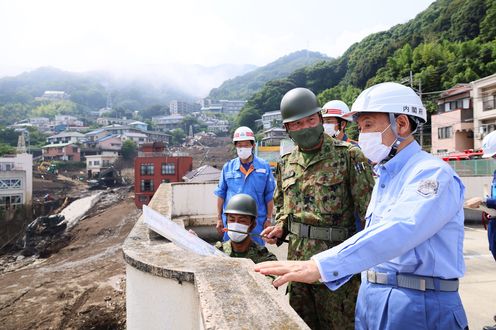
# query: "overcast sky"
81, 35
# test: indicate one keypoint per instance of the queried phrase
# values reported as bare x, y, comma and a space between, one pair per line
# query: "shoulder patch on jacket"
427, 188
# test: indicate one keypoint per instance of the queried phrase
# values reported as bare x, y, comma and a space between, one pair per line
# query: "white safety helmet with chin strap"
243, 133
336, 108
393, 99
489, 145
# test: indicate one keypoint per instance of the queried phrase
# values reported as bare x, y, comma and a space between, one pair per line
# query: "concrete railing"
170, 288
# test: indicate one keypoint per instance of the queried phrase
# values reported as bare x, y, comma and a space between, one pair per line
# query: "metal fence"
474, 167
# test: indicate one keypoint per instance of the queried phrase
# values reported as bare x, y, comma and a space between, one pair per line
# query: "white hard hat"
489, 145
336, 108
243, 133
390, 97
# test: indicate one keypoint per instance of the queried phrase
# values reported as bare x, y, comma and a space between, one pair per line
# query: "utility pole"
411, 79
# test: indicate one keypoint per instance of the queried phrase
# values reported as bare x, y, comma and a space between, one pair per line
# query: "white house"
66, 137
96, 163
16, 180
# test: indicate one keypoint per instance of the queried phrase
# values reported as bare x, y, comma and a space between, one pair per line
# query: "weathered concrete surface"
230, 293
77, 209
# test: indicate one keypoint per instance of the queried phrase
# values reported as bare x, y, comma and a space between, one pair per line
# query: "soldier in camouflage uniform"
319, 187
241, 213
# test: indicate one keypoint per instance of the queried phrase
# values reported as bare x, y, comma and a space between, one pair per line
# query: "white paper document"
177, 234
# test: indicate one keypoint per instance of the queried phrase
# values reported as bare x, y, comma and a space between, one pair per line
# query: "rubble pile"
45, 236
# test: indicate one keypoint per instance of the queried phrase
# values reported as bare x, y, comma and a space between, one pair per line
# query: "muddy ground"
80, 287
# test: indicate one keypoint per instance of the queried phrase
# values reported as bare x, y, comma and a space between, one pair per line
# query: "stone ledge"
231, 295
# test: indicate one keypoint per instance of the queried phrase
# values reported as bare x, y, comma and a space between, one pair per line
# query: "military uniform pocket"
329, 193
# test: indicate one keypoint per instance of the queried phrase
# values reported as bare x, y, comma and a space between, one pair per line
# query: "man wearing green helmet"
241, 213
320, 186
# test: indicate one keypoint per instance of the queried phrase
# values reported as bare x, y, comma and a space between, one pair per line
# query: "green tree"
6, 149
51, 109
247, 117
8, 136
128, 149
192, 121
345, 93
177, 136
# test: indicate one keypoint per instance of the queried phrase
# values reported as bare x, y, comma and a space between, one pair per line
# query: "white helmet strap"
397, 141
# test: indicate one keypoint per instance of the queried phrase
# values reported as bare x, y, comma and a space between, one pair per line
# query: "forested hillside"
242, 87
450, 42
88, 91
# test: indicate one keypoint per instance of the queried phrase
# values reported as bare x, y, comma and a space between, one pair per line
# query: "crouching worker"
241, 214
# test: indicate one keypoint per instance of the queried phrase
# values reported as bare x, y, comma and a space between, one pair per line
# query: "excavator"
109, 177
47, 167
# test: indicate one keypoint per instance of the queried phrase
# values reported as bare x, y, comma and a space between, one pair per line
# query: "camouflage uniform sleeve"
361, 181
280, 219
219, 246
265, 255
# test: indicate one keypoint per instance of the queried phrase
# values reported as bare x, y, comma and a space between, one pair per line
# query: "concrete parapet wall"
170, 288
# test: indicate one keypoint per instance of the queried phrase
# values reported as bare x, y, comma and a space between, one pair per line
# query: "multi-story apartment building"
452, 127
484, 100
154, 166
272, 119
66, 137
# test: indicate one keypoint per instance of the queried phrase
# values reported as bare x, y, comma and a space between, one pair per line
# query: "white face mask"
330, 129
243, 153
372, 147
234, 235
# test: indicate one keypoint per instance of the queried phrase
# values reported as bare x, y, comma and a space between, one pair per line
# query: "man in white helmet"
489, 202
333, 113
246, 174
411, 250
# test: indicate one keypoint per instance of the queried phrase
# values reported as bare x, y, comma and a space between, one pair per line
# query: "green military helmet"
298, 103
242, 204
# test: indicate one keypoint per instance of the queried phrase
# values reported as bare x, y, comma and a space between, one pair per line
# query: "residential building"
54, 96
452, 127
205, 173
167, 123
154, 136
61, 151
96, 134
154, 166
105, 121
66, 137
214, 108
272, 119
273, 136
109, 142
484, 99
67, 120
177, 107
96, 163
16, 180
232, 107
138, 138
139, 125
217, 126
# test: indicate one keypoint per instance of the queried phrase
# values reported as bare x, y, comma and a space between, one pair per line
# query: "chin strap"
396, 143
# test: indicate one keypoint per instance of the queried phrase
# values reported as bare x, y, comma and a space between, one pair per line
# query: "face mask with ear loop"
372, 147
330, 129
